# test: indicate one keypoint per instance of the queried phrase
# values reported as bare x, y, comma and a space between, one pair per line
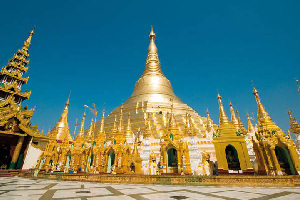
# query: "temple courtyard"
24, 188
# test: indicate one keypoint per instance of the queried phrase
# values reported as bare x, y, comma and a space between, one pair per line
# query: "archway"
5, 157
172, 161
132, 168
111, 161
284, 160
232, 158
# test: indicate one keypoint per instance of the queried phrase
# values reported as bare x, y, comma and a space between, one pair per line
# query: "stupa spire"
128, 129
121, 128
81, 130
234, 119
90, 131
250, 125
241, 125
294, 125
209, 122
223, 117
61, 129
262, 114
102, 122
28, 41
152, 61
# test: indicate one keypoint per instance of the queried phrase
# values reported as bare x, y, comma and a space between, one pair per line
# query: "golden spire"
102, 122
294, 125
241, 125
61, 129
81, 130
223, 117
172, 120
90, 131
209, 122
262, 114
250, 125
121, 119
115, 124
152, 86
128, 130
148, 131
28, 41
233, 120
152, 61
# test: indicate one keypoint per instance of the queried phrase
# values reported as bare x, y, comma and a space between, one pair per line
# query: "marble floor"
23, 189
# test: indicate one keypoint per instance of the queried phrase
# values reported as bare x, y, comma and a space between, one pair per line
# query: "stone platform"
275, 181
42, 189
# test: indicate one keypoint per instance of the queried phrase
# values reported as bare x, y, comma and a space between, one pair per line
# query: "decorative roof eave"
15, 75
7, 88
13, 133
17, 65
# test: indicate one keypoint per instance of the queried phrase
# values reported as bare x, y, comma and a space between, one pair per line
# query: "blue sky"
97, 49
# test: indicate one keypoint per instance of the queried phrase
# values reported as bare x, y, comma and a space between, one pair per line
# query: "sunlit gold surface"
153, 93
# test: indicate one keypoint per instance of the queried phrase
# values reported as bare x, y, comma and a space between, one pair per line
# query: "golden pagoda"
295, 128
16, 130
275, 152
230, 146
152, 132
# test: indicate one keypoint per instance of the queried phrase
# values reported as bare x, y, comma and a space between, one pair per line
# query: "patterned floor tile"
238, 195
81, 192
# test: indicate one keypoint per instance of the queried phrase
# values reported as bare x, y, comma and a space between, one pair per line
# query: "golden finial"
90, 131
294, 125
250, 125
102, 121
262, 114
223, 117
209, 122
81, 130
152, 61
289, 134
28, 41
233, 120
115, 123
128, 130
241, 125
121, 119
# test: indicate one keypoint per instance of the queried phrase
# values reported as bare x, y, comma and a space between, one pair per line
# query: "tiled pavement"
23, 189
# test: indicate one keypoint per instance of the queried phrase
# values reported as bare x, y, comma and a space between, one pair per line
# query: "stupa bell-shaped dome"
153, 86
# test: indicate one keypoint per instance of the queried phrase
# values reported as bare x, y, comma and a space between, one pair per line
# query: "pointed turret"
262, 114
61, 129
241, 125
89, 136
172, 120
233, 120
121, 126
250, 125
294, 125
11, 75
209, 122
81, 130
128, 129
102, 122
152, 61
223, 117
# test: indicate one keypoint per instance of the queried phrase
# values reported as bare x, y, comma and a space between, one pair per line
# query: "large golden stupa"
152, 99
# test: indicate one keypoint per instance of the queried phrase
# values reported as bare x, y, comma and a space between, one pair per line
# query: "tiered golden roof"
12, 73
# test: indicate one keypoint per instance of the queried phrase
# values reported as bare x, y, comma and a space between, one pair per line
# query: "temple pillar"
275, 161
16, 152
